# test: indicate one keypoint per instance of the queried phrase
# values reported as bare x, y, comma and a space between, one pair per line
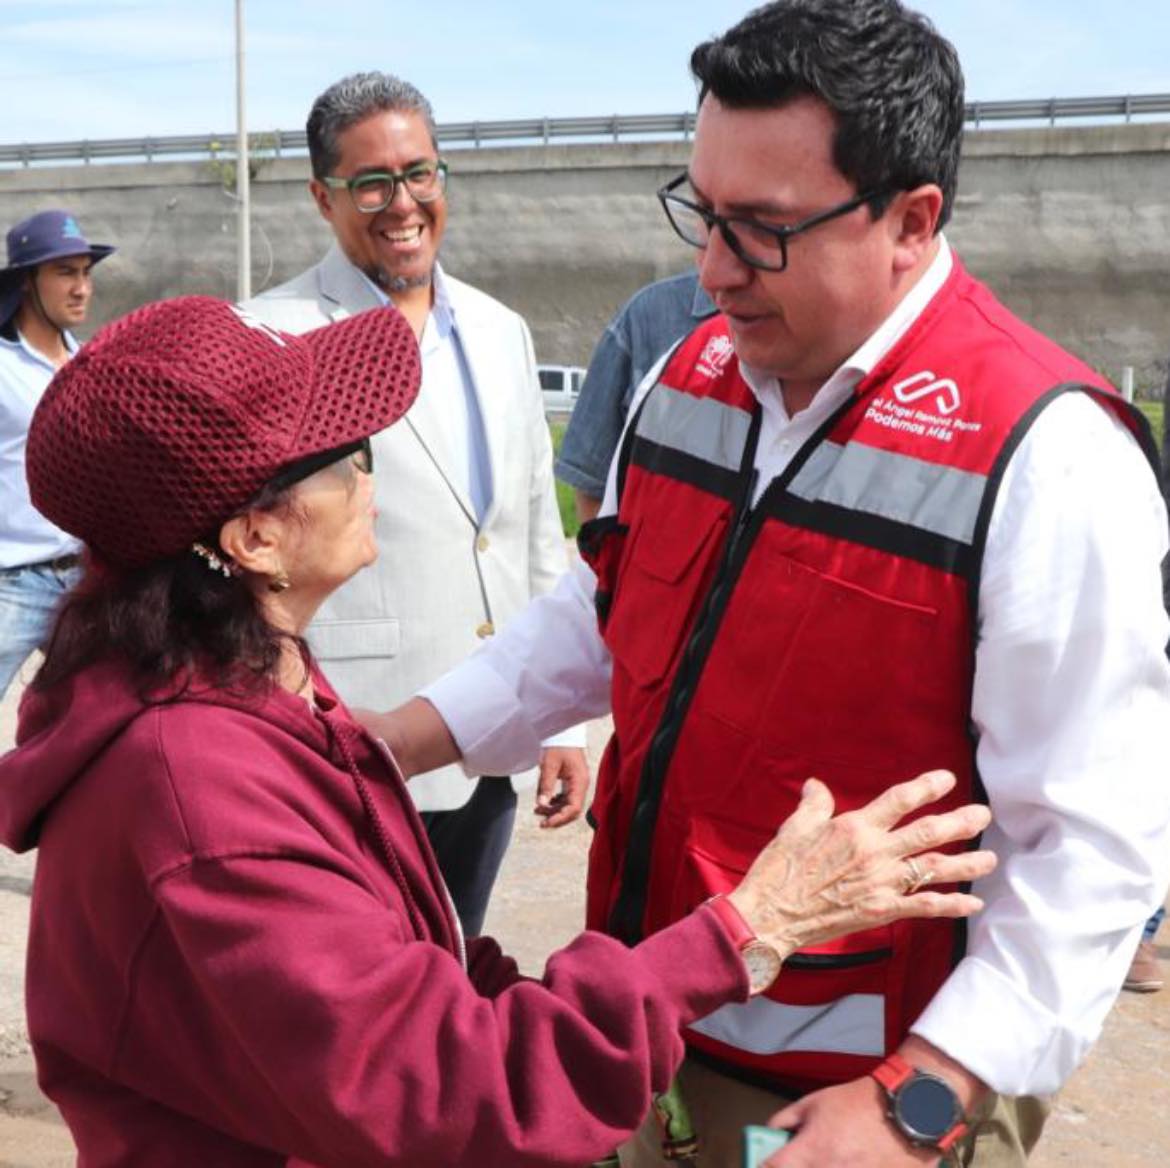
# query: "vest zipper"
625, 920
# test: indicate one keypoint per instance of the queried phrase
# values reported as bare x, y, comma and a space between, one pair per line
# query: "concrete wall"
1071, 226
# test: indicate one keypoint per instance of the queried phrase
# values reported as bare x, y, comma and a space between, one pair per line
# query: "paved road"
1112, 1115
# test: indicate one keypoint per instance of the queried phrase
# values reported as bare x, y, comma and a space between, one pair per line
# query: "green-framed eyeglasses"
374, 190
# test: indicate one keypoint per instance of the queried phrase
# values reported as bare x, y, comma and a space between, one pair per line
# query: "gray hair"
353, 99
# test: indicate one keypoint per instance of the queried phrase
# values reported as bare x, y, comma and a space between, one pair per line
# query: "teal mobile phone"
759, 1142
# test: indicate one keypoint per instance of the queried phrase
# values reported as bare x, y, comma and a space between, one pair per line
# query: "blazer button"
485, 630
481, 543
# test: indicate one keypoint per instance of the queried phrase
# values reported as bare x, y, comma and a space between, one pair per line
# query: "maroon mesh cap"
172, 418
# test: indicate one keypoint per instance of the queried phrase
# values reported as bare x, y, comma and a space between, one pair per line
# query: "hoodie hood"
61, 731
58, 733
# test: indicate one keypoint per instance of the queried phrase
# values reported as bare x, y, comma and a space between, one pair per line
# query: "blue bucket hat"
45, 236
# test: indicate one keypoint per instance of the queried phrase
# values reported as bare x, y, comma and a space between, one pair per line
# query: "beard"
392, 284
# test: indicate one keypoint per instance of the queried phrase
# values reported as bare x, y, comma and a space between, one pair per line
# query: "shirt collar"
442, 312
702, 305
71, 344
849, 374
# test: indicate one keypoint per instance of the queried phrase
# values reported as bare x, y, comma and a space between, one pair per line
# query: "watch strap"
892, 1073
952, 1137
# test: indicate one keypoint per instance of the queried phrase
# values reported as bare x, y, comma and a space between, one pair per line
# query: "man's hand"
848, 1124
845, 1124
417, 737
564, 783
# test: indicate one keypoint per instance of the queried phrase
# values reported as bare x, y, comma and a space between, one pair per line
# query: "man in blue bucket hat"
44, 292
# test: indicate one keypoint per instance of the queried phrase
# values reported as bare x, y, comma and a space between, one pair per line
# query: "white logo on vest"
716, 353
934, 419
948, 399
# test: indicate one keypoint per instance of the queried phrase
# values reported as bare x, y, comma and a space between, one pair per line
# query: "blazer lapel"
431, 429
425, 423
344, 290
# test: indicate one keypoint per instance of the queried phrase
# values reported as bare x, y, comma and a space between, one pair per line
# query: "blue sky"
126, 68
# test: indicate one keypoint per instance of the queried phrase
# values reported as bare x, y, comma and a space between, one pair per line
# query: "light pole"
243, 177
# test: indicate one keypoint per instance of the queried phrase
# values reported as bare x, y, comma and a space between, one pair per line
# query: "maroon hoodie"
242, 953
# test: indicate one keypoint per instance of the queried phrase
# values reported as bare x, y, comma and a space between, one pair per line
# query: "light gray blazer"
441, 583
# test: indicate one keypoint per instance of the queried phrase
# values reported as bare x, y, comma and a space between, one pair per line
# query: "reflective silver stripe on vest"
938, 499
697, 426
854, 1024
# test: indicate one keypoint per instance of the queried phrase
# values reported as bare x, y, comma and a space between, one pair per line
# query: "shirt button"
482, 543
485, 630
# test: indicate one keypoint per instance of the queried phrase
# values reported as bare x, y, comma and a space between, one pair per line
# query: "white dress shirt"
1071, 704
26, 536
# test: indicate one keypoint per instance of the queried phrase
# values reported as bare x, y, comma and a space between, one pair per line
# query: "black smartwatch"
923, 1107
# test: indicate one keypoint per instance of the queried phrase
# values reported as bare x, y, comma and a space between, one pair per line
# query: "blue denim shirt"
644, 328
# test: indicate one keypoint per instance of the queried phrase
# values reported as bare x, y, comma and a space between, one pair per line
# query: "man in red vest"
862, 523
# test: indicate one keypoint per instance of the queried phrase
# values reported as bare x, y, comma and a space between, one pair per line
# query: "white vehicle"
560, 385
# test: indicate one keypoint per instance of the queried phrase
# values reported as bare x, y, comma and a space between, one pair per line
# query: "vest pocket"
831, 669
883, 666
716, 856
830, 1000
661, 589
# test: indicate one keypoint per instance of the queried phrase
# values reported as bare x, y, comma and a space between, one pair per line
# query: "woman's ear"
255, 540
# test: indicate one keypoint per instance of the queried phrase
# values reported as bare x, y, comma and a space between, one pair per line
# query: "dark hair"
894, 84
171, 621
351, 100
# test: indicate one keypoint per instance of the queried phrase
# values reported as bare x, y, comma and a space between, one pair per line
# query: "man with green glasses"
467, 522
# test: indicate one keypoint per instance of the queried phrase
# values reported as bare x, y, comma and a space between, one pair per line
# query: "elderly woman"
241, 951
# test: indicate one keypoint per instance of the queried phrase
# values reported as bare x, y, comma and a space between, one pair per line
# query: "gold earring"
280, 581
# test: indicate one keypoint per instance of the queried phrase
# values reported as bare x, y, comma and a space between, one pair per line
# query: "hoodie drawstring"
339, 734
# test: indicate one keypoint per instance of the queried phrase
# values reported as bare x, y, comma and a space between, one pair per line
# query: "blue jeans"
28, 603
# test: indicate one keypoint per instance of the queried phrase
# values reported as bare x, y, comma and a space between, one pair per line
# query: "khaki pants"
1005, 1131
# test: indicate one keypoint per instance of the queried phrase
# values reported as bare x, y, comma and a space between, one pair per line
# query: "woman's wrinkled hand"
822, 876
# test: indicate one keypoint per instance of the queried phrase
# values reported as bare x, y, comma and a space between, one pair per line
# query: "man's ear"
320, 193
914, 221
255, 540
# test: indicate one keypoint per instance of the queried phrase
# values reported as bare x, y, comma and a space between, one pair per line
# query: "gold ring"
915, 876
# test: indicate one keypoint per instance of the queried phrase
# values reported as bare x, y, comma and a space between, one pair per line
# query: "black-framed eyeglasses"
360, 454
759, 245
375, 190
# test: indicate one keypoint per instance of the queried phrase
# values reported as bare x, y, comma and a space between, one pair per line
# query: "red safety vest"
827, 630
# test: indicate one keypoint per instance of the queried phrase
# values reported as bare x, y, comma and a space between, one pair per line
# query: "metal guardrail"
1054, 109
528, 130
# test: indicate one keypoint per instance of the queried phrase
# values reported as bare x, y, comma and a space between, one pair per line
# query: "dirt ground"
1111, 1115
